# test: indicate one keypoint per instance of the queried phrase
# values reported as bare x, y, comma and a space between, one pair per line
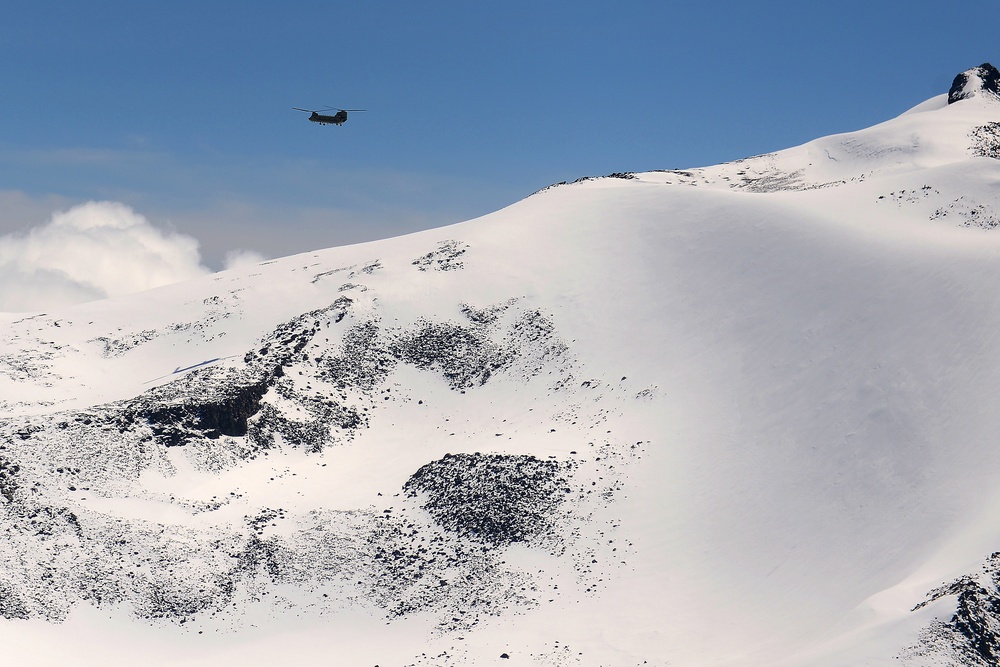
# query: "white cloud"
238, 258
91, 251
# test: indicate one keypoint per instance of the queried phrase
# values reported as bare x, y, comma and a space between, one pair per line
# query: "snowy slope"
735, 415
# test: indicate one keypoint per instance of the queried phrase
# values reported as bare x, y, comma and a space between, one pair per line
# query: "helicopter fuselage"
337, 119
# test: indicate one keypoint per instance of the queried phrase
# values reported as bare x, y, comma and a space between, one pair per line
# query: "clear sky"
182, 110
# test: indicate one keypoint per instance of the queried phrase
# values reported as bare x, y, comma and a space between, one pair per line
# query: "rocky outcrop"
984, 79
224, 413
311, 383
972, 635
497, 498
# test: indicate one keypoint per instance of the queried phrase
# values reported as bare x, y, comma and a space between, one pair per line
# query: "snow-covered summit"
982, 80
735, 415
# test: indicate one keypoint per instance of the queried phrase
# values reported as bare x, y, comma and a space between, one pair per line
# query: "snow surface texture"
733, 415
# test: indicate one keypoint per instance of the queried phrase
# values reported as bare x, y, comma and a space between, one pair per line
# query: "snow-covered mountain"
734, 415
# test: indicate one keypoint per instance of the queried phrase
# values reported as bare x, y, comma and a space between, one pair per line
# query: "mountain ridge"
736, 414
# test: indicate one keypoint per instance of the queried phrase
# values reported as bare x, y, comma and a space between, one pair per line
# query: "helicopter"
320, 116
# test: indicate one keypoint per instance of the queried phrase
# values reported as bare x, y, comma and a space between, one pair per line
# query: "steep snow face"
735, 415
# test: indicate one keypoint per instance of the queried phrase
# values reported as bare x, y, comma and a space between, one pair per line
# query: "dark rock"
224, 413
444, 258
465, 356
986, 141
11, 605
364, 361
985, 78
8, 479
496, 498
974, 630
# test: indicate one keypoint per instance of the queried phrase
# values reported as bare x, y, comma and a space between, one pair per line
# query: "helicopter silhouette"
320, 116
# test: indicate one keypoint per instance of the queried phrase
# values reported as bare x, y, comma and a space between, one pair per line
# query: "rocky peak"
982, 79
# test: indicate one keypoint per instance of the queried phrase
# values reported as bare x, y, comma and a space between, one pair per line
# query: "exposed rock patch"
984, 79
499, 499
972, 635
444, 258
309, 384
986, 141
224, 411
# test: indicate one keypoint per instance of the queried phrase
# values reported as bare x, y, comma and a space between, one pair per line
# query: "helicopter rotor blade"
326, 109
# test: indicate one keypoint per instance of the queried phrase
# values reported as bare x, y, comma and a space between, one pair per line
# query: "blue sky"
183, 110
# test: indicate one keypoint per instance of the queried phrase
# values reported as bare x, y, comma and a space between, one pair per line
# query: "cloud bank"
92, 251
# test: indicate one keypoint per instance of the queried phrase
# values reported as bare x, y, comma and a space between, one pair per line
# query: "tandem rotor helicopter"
322, 116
